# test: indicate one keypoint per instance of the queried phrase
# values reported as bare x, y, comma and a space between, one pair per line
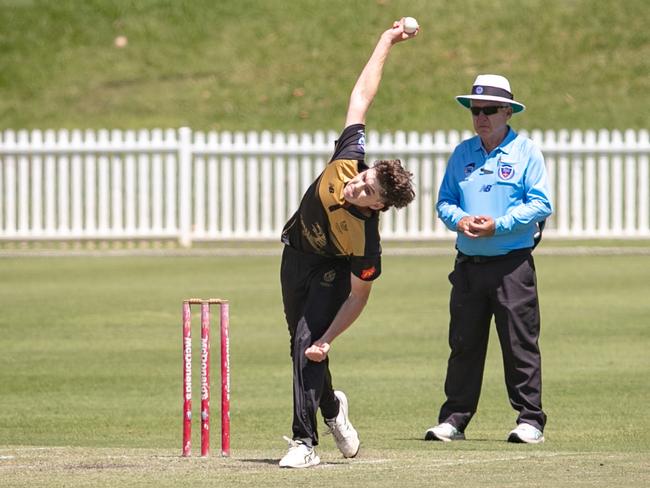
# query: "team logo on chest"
342, 226
506, 171
469, 169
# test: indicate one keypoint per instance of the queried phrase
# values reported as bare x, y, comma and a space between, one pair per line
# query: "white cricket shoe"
526, 434
444, 432
300, 455
345, 436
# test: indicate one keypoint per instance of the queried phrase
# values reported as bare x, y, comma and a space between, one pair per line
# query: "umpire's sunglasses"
476, 111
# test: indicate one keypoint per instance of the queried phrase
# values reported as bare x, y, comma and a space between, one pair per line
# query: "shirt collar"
505, 146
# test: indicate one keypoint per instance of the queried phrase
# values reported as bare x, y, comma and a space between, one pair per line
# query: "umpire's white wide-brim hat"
493, 88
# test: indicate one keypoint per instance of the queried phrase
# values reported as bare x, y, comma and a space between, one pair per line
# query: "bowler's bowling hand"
317, 351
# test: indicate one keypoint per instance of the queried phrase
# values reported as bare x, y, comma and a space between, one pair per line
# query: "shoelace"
338, 431
292, 444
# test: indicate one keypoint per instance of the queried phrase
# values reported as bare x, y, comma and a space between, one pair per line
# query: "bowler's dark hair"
395, 182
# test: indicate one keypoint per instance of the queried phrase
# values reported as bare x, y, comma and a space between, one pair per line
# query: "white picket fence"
193, 186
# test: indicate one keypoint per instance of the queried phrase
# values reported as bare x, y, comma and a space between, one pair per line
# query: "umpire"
495, 196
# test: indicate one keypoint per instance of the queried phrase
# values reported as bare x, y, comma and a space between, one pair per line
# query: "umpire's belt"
464, 258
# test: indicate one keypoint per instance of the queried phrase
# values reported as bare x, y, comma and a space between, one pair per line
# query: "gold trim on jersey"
347, 231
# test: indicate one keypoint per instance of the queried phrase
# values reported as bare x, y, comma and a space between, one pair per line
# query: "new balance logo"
485, 188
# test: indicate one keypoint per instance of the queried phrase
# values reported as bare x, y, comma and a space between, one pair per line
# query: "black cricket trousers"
313, 289
505, 288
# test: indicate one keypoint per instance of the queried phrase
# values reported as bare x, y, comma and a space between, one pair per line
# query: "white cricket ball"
121, 41
410, 25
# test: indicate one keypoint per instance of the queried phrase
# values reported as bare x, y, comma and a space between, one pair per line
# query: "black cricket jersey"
325, 224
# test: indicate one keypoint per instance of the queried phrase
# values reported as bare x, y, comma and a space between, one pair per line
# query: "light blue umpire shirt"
509, 184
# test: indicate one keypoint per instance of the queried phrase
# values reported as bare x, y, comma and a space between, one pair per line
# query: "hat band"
492, 91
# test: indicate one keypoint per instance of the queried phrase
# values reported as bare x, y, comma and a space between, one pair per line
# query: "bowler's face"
488, 126
364, 190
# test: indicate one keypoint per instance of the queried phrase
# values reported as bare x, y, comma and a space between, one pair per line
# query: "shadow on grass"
274, 462
466, 441
261, 461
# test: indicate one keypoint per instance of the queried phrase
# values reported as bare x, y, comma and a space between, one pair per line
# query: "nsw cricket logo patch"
506, 171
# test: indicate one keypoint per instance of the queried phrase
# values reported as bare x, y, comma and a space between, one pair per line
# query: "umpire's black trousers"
313, 290
505, 288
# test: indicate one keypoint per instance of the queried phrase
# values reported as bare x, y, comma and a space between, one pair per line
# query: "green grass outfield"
290, 65
90, 377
